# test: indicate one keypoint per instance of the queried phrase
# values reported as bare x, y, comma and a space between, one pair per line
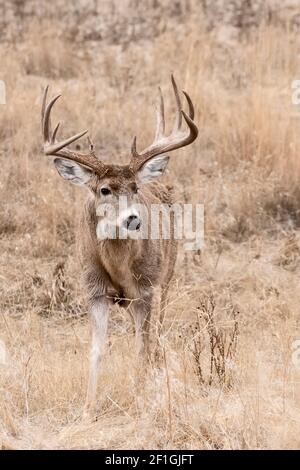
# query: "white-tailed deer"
118, 268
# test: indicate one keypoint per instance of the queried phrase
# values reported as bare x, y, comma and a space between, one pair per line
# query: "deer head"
107, 182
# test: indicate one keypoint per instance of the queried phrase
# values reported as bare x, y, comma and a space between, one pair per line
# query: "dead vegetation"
227, 379
209, 334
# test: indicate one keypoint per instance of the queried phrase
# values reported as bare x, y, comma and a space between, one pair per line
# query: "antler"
51, 147
178, 137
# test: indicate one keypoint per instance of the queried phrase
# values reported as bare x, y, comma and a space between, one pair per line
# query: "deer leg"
99, 320
160, 323
142, 314
163, 306
142, 327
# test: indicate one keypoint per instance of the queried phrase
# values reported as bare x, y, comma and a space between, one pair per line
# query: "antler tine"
193, 130
54, 133
47, 118
178, 119
45, 122
44, 104
190, 104
56, 147
160, 116
90, 143
178, 137
51, 147
133, 148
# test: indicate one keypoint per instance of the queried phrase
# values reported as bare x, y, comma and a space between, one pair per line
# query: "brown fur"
125, 271
125, 268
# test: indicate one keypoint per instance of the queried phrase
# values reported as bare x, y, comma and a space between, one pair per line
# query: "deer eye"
105, 191
134, 188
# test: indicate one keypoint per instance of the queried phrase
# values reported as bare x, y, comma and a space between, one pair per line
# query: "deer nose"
132, 222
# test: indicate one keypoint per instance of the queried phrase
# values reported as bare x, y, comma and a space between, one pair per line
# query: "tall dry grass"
243, 167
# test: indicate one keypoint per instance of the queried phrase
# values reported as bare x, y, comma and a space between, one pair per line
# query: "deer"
117, 269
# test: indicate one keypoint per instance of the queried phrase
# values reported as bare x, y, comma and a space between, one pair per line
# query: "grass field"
241, 291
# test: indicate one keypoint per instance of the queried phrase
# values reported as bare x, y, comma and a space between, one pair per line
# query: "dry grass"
245, 170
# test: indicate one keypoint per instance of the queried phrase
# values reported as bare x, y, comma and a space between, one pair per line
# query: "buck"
126, 270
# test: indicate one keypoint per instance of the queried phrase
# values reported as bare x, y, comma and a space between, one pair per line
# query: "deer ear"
72, 171
153, 168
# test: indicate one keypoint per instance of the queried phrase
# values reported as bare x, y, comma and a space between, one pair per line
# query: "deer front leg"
142, 314
99, 320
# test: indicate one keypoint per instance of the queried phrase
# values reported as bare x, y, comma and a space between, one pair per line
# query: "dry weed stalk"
220, 339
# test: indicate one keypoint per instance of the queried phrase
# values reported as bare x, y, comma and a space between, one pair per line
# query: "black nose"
133, 222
